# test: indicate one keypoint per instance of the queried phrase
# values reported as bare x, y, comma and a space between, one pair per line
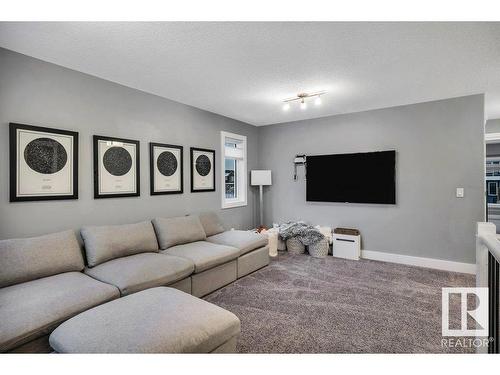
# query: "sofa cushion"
114, 241
245, 241
211, 223
204, 254
157, 320
178, 230
33, 309
141, 271
25, 259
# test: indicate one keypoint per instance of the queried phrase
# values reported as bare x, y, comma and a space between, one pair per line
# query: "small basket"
281, 243
319, 249
294, 246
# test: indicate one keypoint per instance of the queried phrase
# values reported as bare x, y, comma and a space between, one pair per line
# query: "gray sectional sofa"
41, 286
45, 281
127, 256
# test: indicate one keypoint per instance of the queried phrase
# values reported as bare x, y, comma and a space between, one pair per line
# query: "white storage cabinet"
346, 246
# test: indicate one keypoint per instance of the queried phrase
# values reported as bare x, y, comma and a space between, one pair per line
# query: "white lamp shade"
260, 177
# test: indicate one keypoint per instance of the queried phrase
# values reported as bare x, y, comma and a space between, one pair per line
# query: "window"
230, 178
493, 181
234, 167
492, 188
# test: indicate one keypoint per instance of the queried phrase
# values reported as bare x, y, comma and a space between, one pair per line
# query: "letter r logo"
479, 314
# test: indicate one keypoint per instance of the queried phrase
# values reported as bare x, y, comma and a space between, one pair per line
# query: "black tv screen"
367, 177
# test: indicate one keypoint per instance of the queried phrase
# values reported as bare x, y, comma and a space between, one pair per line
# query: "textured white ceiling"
244, 70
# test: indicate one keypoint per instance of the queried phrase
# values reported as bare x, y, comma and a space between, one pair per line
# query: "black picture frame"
97, 194
152, 146
205, 150
14, 160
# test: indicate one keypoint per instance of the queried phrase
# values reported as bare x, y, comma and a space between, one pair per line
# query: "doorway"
493, 179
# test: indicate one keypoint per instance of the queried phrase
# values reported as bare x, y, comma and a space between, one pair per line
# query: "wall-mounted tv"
368, 177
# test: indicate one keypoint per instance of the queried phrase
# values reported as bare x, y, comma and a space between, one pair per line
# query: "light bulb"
303, 105
286, 106
318, 100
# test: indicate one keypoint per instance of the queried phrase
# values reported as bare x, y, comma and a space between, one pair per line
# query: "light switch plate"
460, 192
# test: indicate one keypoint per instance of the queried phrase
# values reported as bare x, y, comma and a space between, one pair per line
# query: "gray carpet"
299, 304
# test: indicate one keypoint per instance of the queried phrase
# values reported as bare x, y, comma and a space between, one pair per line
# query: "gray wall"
440, 146
38, 93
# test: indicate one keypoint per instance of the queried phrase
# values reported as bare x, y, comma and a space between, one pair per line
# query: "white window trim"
492, 137
242, 177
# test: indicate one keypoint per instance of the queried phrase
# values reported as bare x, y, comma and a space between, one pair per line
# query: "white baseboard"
446, 265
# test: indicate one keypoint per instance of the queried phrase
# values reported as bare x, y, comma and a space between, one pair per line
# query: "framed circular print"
166, 169
116, 167
43, 163
202, 170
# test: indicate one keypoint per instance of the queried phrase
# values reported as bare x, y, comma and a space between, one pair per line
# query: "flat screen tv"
367, 177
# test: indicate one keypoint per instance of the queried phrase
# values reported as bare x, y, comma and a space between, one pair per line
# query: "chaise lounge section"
214, 265
253, 248
219, 256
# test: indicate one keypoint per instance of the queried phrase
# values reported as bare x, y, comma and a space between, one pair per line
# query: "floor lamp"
260, 178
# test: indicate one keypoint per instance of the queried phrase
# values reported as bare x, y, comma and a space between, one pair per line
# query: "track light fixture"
302, 99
